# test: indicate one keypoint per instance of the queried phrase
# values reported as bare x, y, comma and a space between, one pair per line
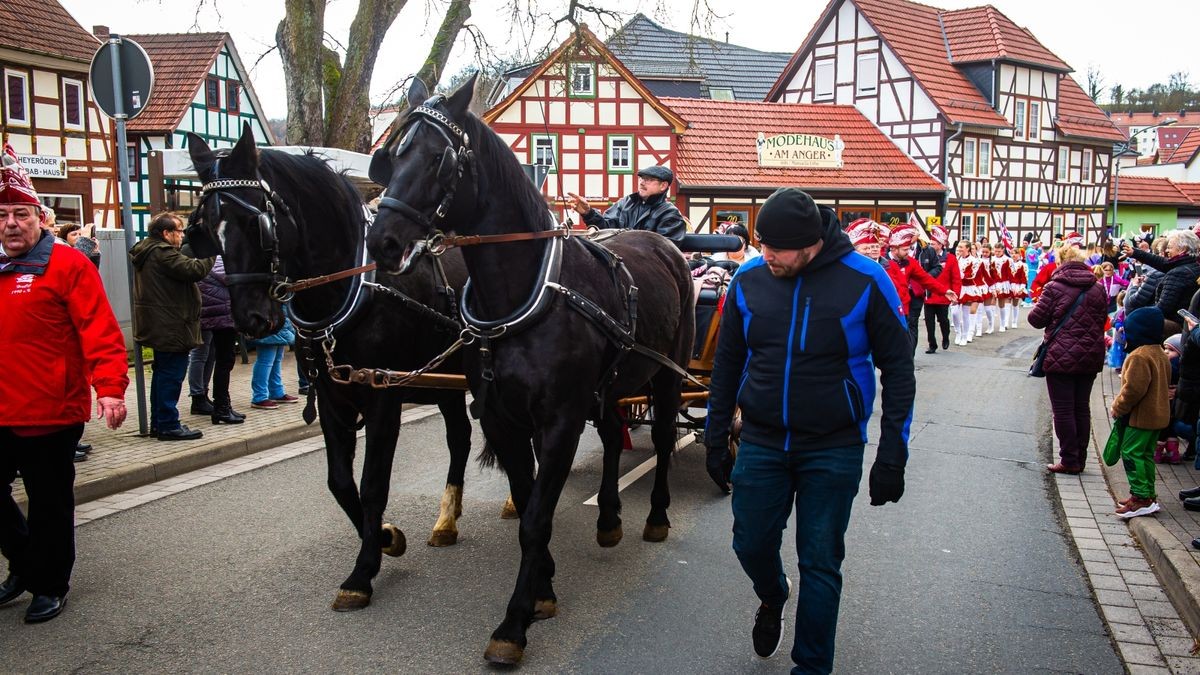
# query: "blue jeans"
823, 484
266, 380
201, 361
166, 381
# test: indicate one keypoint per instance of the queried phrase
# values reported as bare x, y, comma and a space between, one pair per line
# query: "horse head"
427, 166
237, 217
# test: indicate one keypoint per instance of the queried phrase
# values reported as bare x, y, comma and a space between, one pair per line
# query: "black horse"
539, 368
280, 216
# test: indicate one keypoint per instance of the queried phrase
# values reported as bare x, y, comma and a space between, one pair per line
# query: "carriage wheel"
636, 415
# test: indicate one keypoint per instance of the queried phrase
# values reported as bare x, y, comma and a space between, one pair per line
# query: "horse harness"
283, 290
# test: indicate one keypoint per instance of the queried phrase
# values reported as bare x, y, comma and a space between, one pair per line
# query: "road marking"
642, 469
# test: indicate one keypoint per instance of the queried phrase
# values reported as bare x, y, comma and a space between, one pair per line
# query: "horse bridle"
456, 159
267, 231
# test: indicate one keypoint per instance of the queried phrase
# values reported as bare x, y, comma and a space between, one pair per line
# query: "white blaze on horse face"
221, 234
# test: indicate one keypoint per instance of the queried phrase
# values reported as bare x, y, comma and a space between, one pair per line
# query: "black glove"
887, 483
720, 464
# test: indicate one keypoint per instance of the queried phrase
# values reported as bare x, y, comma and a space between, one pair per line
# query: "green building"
1145, 204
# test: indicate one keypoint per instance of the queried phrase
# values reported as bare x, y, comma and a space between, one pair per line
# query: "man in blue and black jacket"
804, 328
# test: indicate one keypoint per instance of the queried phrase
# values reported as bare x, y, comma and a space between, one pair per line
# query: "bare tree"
328, 96
1117, 93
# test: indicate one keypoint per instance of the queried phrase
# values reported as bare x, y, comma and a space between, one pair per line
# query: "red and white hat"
903, 236
940, 234
15, 187
866, 231
1073, 239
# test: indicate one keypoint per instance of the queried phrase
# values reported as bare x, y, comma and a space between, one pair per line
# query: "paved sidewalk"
121, 460
1165, 537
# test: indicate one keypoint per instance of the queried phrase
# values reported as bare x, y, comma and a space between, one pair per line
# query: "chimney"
100, 32
1183, 112
726, 37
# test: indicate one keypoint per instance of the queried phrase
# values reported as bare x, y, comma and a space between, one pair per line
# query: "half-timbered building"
725, 170
201, 86
591, 122
975, 100
49, 116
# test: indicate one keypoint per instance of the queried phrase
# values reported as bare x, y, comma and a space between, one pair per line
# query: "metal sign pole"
127, 220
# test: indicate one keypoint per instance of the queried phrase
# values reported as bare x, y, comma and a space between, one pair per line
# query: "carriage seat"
730, 266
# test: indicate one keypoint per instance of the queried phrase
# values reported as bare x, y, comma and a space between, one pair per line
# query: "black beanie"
789, 220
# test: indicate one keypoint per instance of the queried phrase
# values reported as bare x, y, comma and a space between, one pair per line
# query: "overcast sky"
1133, 48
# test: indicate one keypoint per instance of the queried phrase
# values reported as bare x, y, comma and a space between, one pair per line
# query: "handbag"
1035, 369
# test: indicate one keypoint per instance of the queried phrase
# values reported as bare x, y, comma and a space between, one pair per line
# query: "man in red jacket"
912, 276
937, 305
58, 337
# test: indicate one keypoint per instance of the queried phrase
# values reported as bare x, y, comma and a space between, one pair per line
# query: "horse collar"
527, 313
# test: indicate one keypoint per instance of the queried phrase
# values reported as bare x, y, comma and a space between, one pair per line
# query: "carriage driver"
804, 328
58, 337
646, 209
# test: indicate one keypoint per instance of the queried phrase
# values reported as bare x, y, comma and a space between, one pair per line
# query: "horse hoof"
441, 538
545, 609
509, 512
655, 533
398, 544
609, 538
503, 652
350, 601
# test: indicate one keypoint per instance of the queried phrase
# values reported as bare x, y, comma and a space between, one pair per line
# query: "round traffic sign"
136, 77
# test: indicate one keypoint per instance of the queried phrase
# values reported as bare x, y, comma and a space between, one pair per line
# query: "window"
823, 79
544, 150
1063, 170
985, 158
131, 157
1019, 120
16, 97
583, 79
974, 226
1056, 224
1035, 120
72, 104
67, 208
868, 73
212, 93
1086, 170
620, 154
969, 157
1081, 224
720, 93
233, 96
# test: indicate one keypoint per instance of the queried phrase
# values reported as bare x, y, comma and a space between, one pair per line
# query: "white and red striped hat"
940, 234
866, 231
1073, 239
903, 236
15, 187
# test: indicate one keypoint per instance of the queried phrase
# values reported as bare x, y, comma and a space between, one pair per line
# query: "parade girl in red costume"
1001, 286
973, 290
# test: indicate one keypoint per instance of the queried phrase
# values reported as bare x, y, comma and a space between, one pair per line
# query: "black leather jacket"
634, 213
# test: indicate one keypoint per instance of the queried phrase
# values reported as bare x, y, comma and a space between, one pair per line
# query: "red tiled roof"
44, 27
1186, 150
984, 34
719, 150
181, 62
1149, 190
914, 33
1192, 190
1078, 114
1126, 119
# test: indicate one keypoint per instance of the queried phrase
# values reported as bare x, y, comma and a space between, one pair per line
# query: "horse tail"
487, 457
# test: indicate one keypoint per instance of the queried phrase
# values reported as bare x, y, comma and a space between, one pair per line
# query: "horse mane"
317, 193
502, 174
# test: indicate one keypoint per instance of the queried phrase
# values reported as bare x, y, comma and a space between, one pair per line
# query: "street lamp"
1122, 148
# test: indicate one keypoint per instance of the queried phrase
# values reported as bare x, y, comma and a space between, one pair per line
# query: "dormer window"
1019, 120
583, 80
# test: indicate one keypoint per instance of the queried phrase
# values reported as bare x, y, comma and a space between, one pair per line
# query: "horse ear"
417, 92
246, 151
201, 154
461, 98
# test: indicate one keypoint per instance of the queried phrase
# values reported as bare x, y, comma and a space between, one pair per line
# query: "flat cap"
658, 172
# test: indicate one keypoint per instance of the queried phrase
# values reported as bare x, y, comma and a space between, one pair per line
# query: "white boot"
1013, 312
1003, 316
989, 311
973, 325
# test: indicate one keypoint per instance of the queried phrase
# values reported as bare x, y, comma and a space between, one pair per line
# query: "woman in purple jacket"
215, 358
1075, 355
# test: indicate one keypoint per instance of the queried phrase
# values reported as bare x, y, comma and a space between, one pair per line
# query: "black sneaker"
768, 627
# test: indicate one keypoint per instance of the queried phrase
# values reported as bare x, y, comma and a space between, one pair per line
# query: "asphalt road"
970, 572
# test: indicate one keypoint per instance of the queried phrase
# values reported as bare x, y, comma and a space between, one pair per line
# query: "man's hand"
578, 203
1126, 248
112, 410
952, 296
720, 464
886, 483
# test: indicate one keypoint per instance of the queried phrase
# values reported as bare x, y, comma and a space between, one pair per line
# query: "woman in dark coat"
215, 358
1075, 355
